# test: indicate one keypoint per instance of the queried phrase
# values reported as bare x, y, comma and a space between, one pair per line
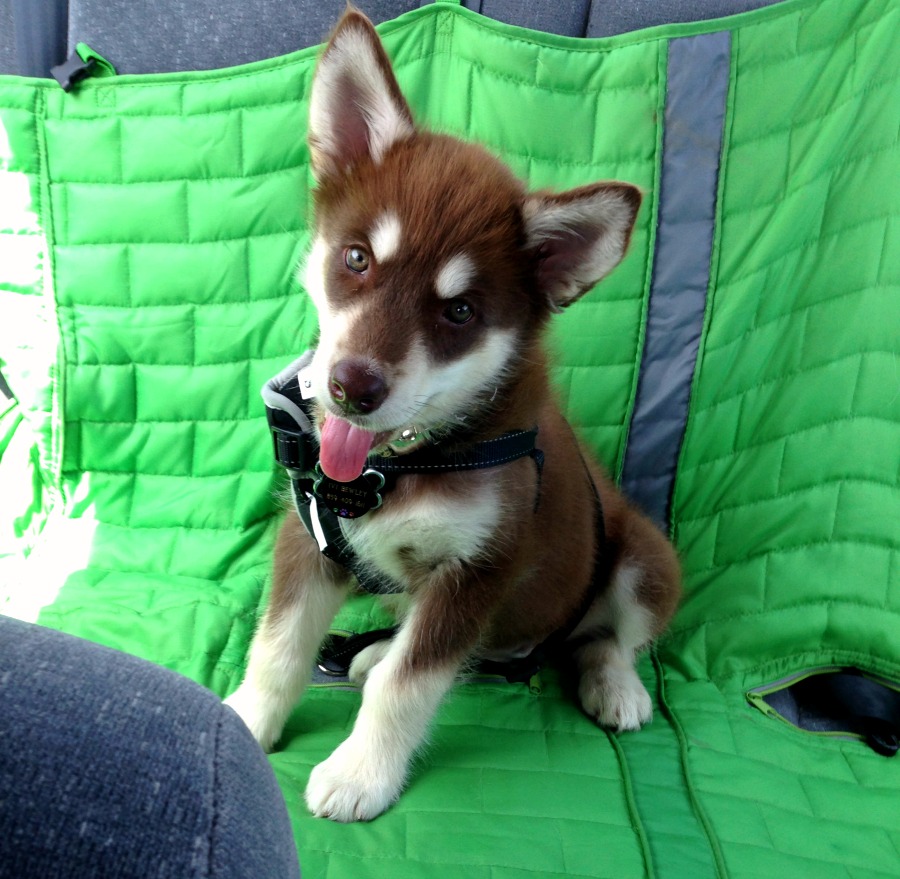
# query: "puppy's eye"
356, 259
458, 311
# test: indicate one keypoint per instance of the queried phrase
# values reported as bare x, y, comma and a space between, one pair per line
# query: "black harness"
322, 502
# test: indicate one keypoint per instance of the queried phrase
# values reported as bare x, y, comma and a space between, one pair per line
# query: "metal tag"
349, 500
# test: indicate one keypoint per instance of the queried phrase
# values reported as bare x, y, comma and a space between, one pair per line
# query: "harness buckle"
292, 449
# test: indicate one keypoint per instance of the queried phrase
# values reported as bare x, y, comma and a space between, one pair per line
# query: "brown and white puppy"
434, 274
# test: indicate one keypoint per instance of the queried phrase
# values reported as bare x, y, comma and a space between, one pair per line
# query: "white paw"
615, 697
366, 660
251, 707
351, 786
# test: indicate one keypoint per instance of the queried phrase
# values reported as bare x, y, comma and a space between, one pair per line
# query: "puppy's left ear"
356, 108
578, 237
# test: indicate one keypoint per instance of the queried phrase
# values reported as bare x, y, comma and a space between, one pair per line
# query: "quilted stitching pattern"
175, 209
782, 802
787, 504
551, 783
173, 315
788, 483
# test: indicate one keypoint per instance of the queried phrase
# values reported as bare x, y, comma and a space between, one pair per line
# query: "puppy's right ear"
356, 108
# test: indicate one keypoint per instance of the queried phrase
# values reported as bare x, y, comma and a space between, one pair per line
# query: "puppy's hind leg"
307, 592
636, 606
609, 688
366, 660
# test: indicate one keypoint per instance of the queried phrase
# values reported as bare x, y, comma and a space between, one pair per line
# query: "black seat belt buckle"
881, 736
72, 71
338, 651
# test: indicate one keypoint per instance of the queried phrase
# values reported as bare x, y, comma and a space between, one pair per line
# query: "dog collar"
322, 502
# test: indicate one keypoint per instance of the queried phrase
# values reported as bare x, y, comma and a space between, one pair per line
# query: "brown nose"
357, 386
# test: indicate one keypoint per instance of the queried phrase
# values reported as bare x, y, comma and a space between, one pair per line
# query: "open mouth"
344, 446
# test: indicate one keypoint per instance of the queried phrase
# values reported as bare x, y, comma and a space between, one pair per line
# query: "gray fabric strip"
696, 93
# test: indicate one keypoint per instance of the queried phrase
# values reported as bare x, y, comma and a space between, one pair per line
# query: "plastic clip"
73, 70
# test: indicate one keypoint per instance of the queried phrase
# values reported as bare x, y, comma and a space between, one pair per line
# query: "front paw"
252, 708
615, 697
351, 786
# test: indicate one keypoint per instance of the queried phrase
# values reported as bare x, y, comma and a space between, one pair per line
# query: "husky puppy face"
432, 269
419, 276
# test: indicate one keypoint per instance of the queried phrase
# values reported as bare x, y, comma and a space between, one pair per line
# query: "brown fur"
529, 562
295, 551
535, 571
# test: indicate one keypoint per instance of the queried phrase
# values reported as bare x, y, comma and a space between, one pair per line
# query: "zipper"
881, 735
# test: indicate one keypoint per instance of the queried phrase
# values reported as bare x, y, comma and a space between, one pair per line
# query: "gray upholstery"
7, 37
567, 18
114, 768
37, 35
203, 34
620, 16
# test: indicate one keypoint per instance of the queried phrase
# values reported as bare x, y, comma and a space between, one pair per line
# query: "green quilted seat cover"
149, 232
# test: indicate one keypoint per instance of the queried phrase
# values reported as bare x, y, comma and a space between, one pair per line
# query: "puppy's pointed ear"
578, 237
356, 107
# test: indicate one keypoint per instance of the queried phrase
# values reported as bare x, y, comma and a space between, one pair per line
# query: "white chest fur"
427, 529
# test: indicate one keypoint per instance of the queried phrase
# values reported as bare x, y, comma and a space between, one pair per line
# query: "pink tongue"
344, 449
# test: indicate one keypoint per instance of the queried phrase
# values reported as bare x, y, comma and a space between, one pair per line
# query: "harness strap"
489, 453
524, 669
325, 528
289, 409
290, 415
324, 524
339, 651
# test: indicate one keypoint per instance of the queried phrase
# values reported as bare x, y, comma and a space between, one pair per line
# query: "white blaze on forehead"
385, 236
335, 325
455, 276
